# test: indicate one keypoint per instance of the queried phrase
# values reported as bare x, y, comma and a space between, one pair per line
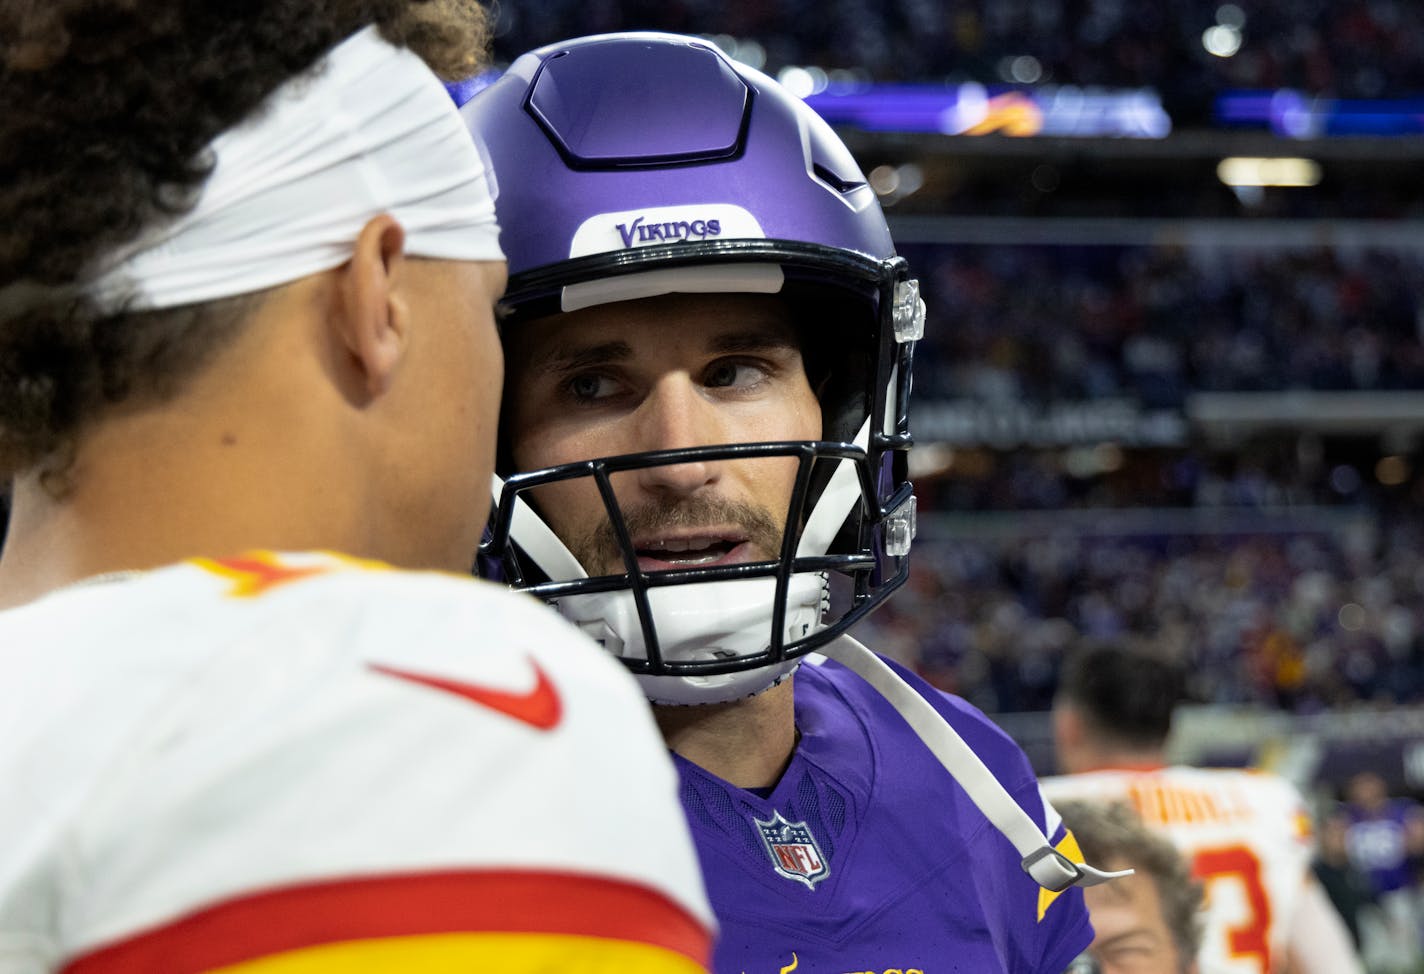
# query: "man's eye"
588, 386
724, 374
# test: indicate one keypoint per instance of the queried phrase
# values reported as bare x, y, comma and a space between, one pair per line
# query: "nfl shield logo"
793, 849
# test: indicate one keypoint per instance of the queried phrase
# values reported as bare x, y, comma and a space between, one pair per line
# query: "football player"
1383, 838
1246, 834
708, 337
249, 377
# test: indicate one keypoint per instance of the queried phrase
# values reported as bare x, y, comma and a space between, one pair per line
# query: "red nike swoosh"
540, 707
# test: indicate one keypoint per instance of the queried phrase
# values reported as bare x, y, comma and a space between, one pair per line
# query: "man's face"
444, 447
660, 374
1368, 790
1130, 934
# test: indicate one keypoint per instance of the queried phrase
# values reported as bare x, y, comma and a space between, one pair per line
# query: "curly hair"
109, 108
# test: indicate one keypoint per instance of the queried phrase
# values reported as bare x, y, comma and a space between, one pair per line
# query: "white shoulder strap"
1049, 868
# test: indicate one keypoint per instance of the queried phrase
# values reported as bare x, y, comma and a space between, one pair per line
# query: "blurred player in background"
1345, 883
1246, 834
703, 291
249, 263
1146, 923
1384, 839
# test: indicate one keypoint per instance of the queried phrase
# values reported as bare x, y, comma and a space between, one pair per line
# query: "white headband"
369, 130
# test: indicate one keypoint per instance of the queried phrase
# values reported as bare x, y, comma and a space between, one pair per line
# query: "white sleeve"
1319, 941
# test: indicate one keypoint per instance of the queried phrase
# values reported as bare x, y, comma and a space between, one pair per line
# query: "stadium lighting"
803, 82
1256, 171
884, 180
1223, 40
1026, 70
1392, 471
1230, 15
893, 183
1352, 617
930, 460
751, 54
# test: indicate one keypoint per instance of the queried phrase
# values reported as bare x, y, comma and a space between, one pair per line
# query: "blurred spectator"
1146, 923
1384, 838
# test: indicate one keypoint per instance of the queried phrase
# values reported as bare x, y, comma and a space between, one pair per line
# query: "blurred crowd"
1159, 322
1357, 49
1302, 619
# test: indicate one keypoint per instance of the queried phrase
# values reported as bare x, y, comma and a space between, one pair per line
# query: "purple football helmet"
631, 165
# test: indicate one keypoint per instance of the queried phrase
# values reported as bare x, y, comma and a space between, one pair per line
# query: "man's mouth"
691, 551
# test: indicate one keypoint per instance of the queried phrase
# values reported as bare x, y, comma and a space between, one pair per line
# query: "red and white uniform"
298, 764
1247, 837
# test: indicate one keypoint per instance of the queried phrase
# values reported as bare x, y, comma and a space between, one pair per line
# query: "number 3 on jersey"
1239, 867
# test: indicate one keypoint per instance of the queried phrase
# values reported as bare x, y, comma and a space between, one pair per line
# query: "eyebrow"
571, 356
761, 340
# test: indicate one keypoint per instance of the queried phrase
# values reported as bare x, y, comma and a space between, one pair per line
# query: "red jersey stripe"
293, 917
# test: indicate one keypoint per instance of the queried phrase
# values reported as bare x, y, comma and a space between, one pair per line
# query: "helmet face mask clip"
737, 188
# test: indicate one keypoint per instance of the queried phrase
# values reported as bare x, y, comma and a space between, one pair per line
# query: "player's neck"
215, 471
1121, 760
122, 516
747, 743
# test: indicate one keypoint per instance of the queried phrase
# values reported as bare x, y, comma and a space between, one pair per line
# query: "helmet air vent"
682, 104
839, 183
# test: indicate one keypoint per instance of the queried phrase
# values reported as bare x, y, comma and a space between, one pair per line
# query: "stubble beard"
599, 551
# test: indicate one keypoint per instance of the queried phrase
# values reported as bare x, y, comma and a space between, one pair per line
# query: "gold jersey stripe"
463, 953
1069, 847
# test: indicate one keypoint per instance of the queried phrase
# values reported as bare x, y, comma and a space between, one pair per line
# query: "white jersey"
1247, 837
304, 763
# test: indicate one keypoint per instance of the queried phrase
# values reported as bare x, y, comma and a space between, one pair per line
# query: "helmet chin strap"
1049, 868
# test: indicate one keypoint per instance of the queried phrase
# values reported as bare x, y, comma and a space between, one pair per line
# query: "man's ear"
374, 321
1068, 734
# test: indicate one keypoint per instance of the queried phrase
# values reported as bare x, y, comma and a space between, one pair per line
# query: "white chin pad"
689, 691
703, 621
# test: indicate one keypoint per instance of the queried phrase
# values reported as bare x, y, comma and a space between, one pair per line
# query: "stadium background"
1172, 386
1163, 396
1150, 405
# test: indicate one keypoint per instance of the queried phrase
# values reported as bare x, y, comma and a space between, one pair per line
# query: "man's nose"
674, 416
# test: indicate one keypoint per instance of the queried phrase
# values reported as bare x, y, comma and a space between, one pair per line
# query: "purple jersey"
1378, 843
868, 857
